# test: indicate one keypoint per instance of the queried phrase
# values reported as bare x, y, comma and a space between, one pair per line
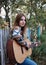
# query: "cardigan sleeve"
18, 37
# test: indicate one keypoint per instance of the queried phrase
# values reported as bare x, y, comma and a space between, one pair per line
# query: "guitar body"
9, 51
19, 56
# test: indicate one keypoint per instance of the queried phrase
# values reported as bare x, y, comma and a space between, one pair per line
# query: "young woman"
18, 34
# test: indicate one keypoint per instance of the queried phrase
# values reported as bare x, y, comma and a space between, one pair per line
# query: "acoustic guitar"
19, 56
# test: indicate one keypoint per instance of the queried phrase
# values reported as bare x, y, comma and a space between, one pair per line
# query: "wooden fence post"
1, 49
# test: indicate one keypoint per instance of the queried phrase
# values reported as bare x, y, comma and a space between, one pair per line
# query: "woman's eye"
22, 19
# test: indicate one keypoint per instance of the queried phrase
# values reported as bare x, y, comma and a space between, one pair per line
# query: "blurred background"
35, 12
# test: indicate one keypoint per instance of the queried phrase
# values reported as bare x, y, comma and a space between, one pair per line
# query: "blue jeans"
28, 62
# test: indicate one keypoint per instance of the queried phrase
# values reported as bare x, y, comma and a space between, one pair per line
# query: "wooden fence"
4, 34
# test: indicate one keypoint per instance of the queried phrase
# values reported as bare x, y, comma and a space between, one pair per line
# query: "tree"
34, 7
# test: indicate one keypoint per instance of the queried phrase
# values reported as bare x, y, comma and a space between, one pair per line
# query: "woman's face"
22, 21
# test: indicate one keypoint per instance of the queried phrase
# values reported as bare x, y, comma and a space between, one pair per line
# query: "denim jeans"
28, 62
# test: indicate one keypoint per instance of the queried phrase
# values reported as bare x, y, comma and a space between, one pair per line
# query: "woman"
19, 35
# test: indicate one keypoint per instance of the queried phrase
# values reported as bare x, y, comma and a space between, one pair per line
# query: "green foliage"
30, 7
1, 21
39, 53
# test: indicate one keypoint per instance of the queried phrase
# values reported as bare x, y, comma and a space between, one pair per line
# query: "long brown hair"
17, 20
